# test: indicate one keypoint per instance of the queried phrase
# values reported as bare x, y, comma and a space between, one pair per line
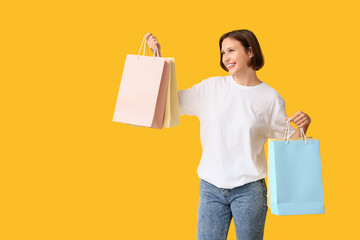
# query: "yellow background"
69, 172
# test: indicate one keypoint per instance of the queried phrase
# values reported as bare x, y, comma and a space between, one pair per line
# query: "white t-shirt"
235, 123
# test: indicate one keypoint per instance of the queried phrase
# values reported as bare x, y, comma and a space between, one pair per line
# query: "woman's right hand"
152, 42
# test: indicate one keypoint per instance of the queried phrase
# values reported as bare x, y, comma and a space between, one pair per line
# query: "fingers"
147, 36
301, 123
152, 41
150, 38
300, 119
297, 114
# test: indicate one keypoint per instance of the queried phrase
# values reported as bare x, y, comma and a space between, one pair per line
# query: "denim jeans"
217, 206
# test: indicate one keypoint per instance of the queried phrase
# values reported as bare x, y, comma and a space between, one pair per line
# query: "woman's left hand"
300, 119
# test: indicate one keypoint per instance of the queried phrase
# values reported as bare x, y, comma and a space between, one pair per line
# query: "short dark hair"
247, 40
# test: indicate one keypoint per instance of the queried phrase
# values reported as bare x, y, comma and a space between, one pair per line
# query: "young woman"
237, 113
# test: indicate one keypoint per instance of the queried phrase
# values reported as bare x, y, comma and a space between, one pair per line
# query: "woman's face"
234, 56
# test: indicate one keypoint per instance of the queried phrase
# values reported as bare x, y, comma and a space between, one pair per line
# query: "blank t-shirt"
235, 123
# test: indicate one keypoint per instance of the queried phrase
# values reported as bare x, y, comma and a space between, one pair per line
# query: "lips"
230, 65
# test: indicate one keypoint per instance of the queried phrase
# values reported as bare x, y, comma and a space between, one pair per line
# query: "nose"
225, 58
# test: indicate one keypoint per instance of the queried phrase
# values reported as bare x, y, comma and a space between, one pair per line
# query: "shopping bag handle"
287, 131
145, 47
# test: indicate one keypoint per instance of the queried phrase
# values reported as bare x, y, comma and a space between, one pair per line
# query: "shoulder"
210, 82
214, 80
272, 100
272, 95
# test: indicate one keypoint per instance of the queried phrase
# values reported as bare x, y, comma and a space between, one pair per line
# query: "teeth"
231, 64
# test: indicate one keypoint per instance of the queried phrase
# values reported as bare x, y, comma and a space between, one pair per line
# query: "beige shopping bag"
143, 89
172, 115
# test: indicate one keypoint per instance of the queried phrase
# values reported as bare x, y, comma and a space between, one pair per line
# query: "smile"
230, 65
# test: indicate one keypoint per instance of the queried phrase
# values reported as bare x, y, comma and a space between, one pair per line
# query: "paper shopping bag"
295, 179
143, 88
172, 115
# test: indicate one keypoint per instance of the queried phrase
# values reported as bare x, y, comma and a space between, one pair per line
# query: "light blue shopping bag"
296, 185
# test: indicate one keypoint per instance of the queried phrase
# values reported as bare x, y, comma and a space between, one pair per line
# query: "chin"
232, 72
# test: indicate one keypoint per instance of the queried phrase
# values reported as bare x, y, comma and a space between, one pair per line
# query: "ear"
250, 52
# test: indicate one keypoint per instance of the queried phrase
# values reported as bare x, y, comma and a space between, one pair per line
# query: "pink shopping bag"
143, 88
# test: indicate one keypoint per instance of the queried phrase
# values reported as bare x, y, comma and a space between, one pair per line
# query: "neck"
247, 78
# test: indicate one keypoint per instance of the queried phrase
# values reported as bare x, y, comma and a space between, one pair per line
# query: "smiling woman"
237, 113
245, 41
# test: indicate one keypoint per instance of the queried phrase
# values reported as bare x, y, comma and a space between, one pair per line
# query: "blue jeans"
217, 206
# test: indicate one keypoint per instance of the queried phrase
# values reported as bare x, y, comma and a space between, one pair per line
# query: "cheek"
242, 59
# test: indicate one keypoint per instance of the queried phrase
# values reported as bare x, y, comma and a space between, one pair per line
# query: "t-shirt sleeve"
278, 125
189, 100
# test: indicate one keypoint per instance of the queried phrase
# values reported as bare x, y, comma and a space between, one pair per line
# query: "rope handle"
156, 51
287, 131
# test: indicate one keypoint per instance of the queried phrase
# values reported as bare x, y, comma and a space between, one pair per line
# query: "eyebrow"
226, 48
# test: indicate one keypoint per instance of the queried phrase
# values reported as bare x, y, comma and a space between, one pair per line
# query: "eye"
231, 50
